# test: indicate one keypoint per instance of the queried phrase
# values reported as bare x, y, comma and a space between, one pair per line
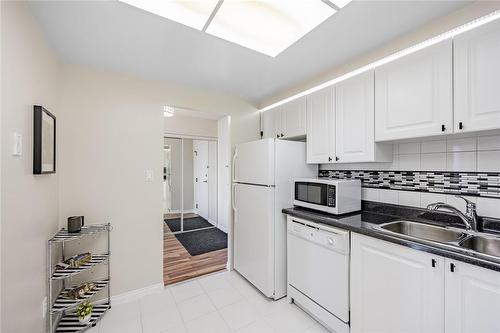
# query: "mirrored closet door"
190, 184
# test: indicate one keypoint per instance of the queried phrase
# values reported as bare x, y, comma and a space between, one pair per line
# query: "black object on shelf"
75, 223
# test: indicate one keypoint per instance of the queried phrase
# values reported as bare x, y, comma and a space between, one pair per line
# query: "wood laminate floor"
179, 265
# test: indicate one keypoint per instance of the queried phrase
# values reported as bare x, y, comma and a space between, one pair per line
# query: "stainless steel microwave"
334, 196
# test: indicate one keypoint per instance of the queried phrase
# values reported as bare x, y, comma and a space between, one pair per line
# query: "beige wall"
29, 207
190, 126
441, 25
111, 133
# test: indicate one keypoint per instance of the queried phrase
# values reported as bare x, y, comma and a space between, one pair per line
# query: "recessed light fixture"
266, 26
168, 111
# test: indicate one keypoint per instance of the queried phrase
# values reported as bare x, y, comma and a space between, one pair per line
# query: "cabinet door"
321, 126
293, 118
395, 289
271, 123
413, 95
354, 119
472, 299
477, 78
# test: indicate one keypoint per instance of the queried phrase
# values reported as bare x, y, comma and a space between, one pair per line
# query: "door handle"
234, 166
233, 198
205, 181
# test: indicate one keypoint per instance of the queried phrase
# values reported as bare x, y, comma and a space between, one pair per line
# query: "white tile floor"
218, 303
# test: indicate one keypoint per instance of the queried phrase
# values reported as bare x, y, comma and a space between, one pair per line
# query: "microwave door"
312, 193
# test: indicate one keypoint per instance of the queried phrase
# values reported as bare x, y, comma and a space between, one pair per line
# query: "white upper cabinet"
472, 297
477, 79
285, 121
355, 121
321, 126
413, 95
271, 123
293, 119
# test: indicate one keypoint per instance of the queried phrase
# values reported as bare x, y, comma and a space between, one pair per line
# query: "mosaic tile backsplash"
481, 184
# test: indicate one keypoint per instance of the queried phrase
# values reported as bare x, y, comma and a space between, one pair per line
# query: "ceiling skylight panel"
193, 13
267, 26
340, 3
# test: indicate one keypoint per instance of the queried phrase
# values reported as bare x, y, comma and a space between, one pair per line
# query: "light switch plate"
149, 175
17, 146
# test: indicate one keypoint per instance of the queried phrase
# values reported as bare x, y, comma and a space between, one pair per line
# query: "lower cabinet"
472, 298
395, 289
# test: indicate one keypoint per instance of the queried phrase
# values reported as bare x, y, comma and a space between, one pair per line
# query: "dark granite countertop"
373, 213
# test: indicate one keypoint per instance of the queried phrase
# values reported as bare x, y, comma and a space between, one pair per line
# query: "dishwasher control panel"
330, 237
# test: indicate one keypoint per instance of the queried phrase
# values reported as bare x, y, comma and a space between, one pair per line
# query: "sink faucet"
470, 216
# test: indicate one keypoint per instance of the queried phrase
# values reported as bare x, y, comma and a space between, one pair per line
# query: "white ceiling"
119, 37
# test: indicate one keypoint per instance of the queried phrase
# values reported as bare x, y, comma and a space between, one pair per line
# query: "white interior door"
200, 166
254, 235
224, 179
212, 182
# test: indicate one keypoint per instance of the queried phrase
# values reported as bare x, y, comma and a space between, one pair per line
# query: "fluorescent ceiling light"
267, 26
168, 111
193, 13
431, 41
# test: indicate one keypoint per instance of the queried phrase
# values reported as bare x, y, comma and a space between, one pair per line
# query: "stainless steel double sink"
481, 244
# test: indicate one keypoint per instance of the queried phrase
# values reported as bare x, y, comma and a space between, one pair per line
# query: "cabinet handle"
460, 125
452, 267
329, 159
337, 158
443, 128
433, 262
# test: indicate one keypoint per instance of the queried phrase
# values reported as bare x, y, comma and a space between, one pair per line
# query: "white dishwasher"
318, 271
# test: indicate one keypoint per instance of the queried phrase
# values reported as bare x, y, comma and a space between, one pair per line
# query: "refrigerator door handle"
233, 197
234, 166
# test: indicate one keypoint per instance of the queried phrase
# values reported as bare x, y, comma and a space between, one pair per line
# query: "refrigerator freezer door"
254, 162
254, 235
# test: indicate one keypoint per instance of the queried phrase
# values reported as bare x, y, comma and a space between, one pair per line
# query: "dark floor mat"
191, 223
203, 241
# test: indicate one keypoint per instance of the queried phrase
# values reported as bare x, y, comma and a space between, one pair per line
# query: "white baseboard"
223, 228
136, 294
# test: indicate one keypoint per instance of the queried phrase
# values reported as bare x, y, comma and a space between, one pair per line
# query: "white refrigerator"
262, 186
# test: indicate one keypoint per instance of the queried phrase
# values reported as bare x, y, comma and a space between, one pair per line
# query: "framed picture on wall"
44, 141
